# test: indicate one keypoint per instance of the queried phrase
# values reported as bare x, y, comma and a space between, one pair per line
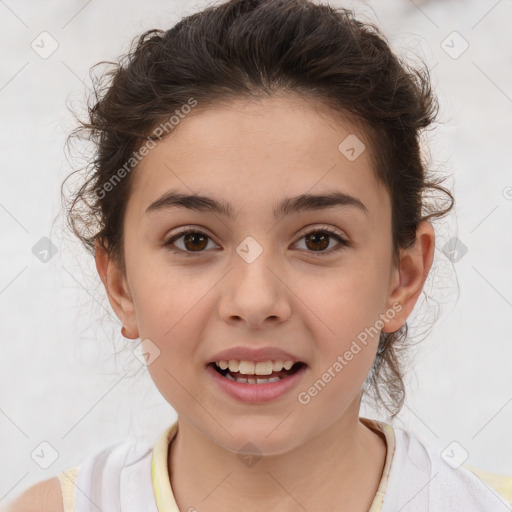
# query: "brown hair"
258, 48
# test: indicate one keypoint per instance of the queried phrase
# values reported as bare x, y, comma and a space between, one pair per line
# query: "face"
254, 280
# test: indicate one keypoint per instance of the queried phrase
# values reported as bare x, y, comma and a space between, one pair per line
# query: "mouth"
244, 378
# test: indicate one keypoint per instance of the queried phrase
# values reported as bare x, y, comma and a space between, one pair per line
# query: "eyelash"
342, 242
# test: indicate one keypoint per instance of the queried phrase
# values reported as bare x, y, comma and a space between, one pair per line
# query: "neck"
343, 464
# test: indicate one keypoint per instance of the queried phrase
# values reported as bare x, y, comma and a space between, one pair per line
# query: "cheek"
346, 339
169, 301
171, 312
347, 306
347, 300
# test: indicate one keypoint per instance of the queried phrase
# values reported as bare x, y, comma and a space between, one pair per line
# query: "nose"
254, 293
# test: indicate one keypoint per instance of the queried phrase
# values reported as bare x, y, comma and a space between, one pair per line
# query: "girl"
259, 218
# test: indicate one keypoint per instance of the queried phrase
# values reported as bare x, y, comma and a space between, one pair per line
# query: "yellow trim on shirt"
164, 497
67, 480
389, 435
502, 484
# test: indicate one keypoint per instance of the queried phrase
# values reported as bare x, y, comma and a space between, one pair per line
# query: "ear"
408, 279
117, 289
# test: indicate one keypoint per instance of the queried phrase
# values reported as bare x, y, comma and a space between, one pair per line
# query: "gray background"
61, 380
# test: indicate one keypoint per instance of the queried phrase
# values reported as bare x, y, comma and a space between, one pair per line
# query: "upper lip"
254, 354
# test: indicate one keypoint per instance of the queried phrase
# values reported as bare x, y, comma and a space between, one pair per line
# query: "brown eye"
318, 241
195, 241
191, 241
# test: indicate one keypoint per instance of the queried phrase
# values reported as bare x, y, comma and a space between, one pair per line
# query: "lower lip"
257, 393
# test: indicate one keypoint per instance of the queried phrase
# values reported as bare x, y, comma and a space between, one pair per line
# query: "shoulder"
424, 476
44, 496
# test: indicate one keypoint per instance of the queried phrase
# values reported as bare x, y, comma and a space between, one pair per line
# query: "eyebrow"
290, 205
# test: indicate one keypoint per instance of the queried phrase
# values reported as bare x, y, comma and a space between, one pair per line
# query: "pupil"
194, 237
315, 236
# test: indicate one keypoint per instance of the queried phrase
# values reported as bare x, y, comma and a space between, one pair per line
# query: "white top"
420, 480
132, 476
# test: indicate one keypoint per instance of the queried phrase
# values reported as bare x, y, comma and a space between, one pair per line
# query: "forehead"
253, 152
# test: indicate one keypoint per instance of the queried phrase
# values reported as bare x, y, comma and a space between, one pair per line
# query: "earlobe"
118, 293
410, 277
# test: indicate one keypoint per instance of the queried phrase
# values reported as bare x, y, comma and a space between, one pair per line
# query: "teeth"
253, 381
252, 368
